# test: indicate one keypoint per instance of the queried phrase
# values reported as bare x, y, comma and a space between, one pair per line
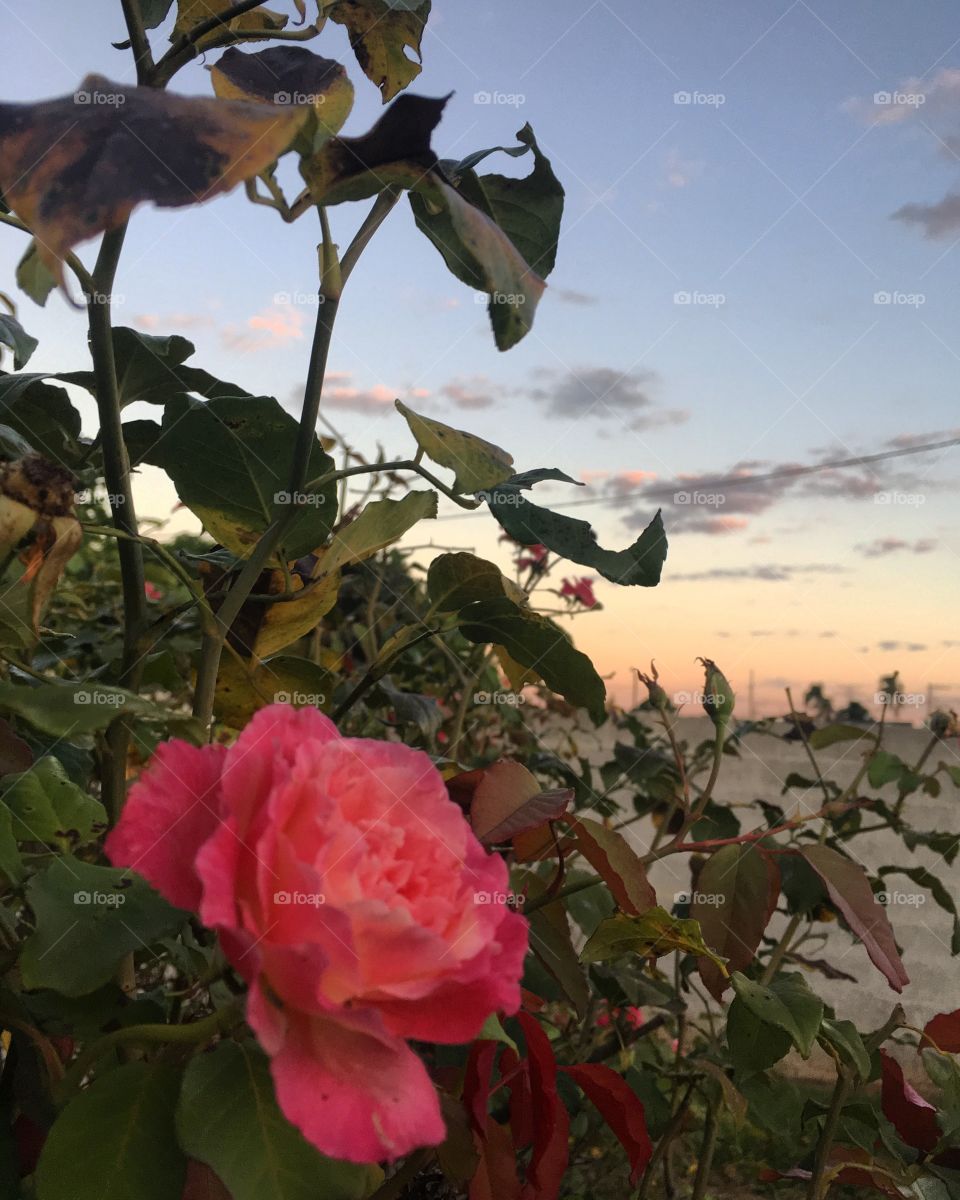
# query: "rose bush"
341, 879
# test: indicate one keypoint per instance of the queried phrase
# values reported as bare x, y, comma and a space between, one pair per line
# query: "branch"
185, 47
382, 207
138, 41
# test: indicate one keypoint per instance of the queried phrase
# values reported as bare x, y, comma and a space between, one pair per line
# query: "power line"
725, 482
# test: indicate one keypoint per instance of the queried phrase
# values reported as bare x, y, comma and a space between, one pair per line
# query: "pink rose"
580, 590
344, 884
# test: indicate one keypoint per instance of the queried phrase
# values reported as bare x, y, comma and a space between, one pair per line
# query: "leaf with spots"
381, 34
476, 464
75, 166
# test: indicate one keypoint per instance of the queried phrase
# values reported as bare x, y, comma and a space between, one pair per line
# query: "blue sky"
768, 198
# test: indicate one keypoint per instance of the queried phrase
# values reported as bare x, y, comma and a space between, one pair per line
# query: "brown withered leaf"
75, 166
288, 75
396, 150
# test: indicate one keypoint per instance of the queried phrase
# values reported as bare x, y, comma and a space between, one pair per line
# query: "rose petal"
353, 1091
171, 811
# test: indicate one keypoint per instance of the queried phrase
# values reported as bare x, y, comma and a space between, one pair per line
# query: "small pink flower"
580, 590
633, 1016
532, 556
349, 891
151, 591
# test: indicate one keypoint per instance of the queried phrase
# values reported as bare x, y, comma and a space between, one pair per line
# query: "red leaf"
507, 800
202, 1184
476, 1081
551, 1124
943, 1031
620, 868
912, 1117
521, 1097
496, 1175
620, 1107
736, 893
850, 891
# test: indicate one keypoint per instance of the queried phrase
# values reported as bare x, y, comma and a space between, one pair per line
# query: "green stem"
185, 47
818, 1185
138, 40
382, 207
928, 750
707, 1147
116, 472
84, 277
196, 1033
570, 890
211, 649
798, 725
781, 948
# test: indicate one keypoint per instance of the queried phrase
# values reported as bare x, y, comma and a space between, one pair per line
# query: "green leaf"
116, 1140
380, 523
754, 1045
456, 580
481, 255
243, 688
47, 807
787, 1003
33, 276
86, 919
530, 524
831, 734
536, 642
147, 366
229, 459
13, 334
617, 863
41, 413
551, 944
259, 25
493, 1031
528, 210
651, 935
228, 1118
735, 895
11, 867
381, 32
476, 463
846, 1040
64, 709
885, 768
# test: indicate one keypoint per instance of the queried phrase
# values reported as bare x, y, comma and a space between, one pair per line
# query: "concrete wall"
923, 930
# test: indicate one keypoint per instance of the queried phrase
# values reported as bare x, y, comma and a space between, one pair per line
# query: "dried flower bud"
718, 697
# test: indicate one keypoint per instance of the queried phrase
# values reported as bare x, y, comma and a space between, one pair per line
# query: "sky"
757, 269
